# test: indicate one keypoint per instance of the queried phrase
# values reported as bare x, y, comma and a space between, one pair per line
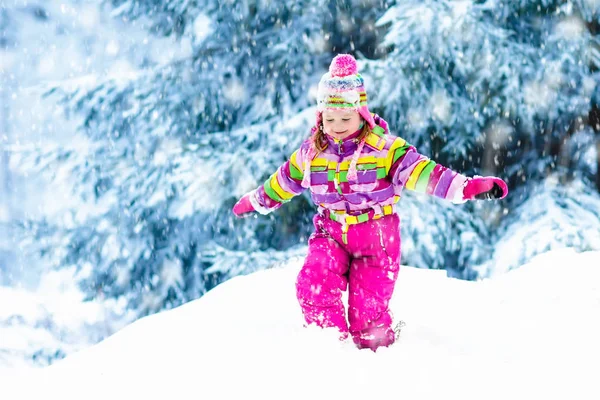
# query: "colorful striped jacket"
386, 164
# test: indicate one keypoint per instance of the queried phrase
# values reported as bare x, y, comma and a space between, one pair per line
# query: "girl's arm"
284, 184
416, 172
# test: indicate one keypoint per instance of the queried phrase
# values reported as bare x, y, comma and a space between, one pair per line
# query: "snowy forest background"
128, 129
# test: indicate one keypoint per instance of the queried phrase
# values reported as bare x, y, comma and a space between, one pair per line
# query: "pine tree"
557, 216
164, 154
492, 87
12, 76
485, 87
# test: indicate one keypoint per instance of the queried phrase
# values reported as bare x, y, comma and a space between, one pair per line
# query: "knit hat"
343, 88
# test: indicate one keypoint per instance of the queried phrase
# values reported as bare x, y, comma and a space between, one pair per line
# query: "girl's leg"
322, 279
372, 278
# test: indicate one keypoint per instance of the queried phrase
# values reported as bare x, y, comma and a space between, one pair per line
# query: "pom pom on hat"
343, 65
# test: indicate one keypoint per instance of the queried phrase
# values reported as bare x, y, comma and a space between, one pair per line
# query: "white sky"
532, 333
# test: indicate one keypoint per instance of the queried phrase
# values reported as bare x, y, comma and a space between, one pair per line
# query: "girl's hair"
320, 140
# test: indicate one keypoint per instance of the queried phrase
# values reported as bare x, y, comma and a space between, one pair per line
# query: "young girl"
356, 171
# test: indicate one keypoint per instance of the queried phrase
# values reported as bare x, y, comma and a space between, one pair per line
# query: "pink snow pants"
367, 265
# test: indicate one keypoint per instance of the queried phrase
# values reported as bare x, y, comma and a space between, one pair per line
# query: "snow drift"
531, 333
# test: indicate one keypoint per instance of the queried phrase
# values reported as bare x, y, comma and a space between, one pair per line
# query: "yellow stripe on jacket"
416, 172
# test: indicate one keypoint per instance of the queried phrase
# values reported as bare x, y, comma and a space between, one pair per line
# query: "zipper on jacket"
336, 181
336, 178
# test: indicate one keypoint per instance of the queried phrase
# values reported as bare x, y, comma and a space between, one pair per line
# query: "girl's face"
341, 124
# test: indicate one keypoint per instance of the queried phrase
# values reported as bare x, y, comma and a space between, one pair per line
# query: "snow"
201, 28
441, 104
538, 95
530, 333
571, 28
555, 216
592, 3
39, 326
234, 91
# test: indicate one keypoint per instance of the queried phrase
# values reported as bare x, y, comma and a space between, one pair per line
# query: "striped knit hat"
343, 88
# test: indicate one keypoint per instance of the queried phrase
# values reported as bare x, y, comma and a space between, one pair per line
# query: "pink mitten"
485, 188
243, 206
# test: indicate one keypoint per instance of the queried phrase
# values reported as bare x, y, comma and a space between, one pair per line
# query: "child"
356, 171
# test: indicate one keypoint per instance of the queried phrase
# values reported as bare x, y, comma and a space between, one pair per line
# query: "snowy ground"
530, 334
39, 326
